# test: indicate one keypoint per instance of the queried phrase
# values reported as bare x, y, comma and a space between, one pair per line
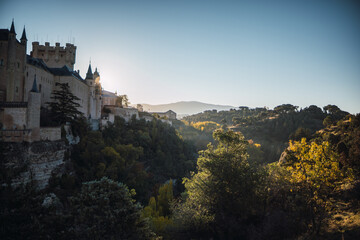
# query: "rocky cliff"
24, 162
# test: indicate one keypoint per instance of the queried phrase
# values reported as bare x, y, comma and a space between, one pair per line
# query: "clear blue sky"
254, 53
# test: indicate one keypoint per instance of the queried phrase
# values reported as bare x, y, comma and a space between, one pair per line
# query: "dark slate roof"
64, 71
4, 34
37, 62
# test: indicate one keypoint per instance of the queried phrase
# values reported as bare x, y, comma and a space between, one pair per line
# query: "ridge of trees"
272, 128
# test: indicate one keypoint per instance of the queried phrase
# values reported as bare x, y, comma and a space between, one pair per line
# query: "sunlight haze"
239, 53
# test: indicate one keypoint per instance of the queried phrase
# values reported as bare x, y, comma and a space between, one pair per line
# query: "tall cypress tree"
64, 107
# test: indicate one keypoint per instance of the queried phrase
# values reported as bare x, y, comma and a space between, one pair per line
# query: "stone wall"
126, 113
24, 135
13, 118
50, 133
3, 69
26, 162
45, 83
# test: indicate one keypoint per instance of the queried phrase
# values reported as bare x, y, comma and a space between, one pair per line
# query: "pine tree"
64, 107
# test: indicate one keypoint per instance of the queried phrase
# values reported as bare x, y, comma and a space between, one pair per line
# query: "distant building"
108, 98
169, 114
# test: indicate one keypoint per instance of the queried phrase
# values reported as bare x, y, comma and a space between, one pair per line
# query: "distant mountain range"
184, 108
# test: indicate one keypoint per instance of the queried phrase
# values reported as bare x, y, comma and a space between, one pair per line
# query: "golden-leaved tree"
314, 172
158, 209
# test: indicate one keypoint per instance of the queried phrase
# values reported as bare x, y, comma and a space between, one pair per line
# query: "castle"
27, 82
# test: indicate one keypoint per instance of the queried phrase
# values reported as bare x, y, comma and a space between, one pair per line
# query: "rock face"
26, 162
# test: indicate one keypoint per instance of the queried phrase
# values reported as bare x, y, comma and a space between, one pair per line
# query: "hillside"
185, 107
272, 128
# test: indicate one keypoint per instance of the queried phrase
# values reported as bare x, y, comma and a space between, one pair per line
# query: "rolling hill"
184, 108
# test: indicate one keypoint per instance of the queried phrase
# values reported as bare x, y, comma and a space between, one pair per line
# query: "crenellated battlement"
55, 56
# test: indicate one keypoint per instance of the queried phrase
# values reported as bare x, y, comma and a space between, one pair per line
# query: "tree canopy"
226, 192
105, 209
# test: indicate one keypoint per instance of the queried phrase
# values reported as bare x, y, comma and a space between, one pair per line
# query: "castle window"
1, 62
27, 74
18, 65
16, 89
39, 87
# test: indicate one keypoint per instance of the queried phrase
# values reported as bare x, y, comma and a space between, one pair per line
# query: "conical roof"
12, 28
89, 74
34, 86
96, 72
23, 36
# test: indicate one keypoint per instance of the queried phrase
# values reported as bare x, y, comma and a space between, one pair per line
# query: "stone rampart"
50, 133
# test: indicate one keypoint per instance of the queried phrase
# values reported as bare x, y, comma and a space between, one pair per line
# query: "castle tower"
11, 62
90, 79
55, 56
97, 94
96, 76
14, 53
91, 95
33, 110
23, 38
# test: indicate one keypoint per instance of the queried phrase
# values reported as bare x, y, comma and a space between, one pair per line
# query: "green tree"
327, 121
301, 133
226, 193
285, 108
331, 109
122, 101
64, 107
105, 209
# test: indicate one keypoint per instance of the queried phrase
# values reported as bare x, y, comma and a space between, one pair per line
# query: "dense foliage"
272, 128
141, 154
226, 194
197, 137
313, 192
102, 209
105, 209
